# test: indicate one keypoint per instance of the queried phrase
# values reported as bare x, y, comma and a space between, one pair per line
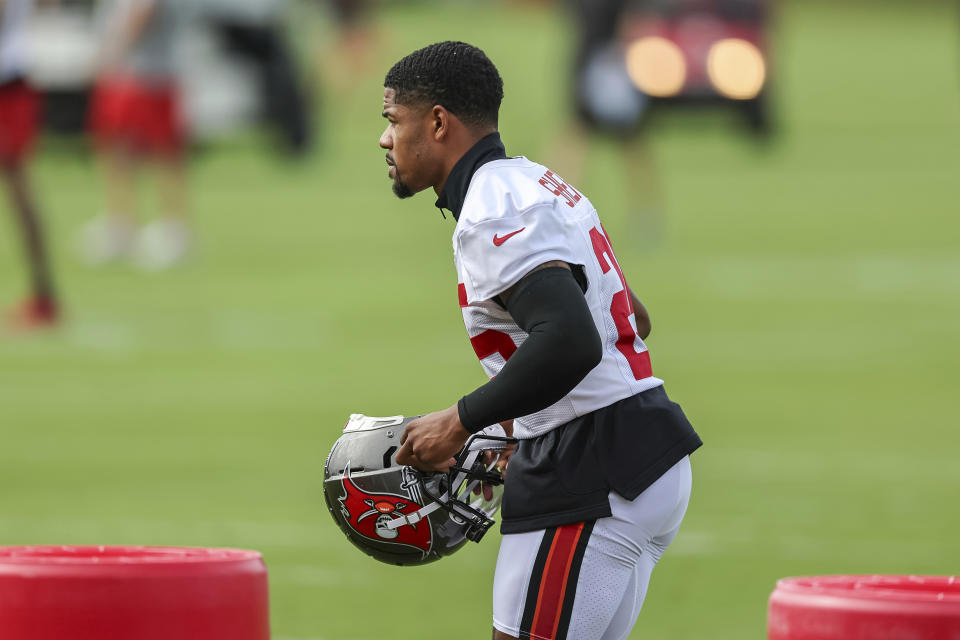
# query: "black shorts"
565, 475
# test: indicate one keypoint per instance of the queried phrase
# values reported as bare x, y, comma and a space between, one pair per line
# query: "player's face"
406, 140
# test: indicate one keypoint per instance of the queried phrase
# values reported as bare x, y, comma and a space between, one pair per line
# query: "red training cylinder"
865, 608
134, 593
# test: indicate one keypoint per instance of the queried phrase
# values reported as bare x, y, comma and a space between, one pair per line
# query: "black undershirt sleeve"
562, 347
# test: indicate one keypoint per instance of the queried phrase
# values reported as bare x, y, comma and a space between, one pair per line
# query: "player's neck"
459, 146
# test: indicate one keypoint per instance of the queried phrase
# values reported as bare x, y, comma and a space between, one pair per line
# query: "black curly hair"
456, 75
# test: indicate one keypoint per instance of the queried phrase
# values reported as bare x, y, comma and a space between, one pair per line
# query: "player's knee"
500, 635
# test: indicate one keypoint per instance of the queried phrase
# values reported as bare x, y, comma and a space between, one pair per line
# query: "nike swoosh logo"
499, 240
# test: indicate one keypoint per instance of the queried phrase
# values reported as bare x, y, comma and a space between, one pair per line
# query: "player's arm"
562, 347
641, 315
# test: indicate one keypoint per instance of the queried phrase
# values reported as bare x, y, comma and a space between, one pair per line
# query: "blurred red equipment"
135, 593
865, 608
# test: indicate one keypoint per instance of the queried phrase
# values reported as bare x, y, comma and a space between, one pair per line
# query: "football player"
600, 481
19, 120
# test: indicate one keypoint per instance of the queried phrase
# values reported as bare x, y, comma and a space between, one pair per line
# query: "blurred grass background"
805, 300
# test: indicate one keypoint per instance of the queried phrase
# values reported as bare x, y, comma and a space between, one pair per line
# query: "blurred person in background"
19, 120
356, 38
255, 31
135, 117
606, 103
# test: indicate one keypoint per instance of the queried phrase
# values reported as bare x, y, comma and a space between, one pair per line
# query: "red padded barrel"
133, 593
865, 608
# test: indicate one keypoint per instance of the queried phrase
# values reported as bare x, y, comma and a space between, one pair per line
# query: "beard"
400, 188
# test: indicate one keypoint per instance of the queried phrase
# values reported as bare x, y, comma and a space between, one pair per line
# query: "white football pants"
587, 581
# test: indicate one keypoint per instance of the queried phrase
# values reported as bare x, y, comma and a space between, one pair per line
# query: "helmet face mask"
398, 514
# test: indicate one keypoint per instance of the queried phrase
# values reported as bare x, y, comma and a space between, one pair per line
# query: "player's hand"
429, 443
501, 457
505, 459
508, 451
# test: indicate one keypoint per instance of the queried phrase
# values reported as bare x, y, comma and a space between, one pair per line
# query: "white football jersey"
516, 216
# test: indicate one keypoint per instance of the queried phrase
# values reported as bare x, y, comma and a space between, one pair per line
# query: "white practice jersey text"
516, 216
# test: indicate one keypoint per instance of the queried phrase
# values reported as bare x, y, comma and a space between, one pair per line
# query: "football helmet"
399, 514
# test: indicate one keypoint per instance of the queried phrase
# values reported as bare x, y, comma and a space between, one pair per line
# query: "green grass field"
805, 301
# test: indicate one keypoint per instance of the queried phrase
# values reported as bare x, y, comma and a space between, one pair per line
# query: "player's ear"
440, 122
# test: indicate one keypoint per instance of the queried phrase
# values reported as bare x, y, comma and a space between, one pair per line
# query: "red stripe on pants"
553, 585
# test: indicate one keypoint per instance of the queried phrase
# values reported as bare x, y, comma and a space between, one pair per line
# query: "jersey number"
621, 309
489, 342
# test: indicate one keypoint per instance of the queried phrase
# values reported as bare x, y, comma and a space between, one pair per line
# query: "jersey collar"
454, 192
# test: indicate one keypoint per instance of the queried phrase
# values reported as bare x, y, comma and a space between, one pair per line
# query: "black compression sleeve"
562, 347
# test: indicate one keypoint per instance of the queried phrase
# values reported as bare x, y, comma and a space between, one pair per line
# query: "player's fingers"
417, 463
406, 431
487, 492
445, 466
405, 455
502, 465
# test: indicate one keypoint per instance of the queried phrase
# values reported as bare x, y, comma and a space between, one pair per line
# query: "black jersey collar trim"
454, 192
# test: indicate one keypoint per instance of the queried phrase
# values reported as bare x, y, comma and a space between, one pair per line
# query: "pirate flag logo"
368, 514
